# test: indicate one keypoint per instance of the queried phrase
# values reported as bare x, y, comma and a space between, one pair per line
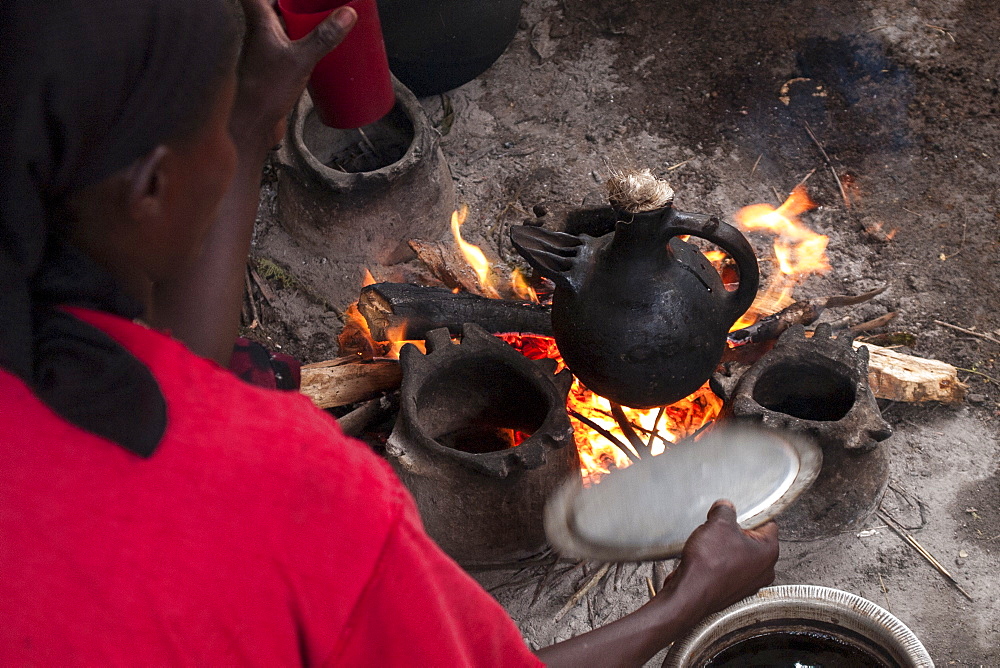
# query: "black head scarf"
88, 87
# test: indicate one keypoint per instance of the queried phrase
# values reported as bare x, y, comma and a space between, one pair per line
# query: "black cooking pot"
640, 316
437, 45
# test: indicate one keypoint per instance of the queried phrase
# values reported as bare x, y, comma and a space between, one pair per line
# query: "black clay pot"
640, 316
437, 45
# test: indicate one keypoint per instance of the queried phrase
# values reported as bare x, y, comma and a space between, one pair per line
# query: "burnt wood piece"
804, 312
416, 310
444, 261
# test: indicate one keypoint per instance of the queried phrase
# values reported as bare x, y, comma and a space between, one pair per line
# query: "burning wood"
804, 312
411, 311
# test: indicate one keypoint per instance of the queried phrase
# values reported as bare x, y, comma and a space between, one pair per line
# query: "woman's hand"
274, 70
722, 563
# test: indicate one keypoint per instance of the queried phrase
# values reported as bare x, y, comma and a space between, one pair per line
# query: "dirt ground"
716, 96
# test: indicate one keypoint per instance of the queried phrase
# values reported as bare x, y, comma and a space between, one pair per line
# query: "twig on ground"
914, 502
961, 244
912, 542
649, 584
253, 302
265, 290
980, 373
543, 581
806, 177
985, 337
829, 163
587, 586
678, 165
606, 434
940, 30
885, 593
873, 324
755, 163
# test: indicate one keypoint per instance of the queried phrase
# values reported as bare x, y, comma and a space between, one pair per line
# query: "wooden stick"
265, 290
829, 163
587, 586
986, 337
340, 382
641, 448
253, 303
354, 423
656, 422
873, 324
605, 433
411, 311
980, 373
649, 584
912, 542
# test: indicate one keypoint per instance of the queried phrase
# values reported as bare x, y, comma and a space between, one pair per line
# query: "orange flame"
798, 251
368, 279
472, 253
598, 456
519, 284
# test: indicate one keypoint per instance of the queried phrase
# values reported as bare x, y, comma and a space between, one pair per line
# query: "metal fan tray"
648, 510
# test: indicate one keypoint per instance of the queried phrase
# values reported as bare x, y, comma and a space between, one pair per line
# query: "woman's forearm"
202, 308
634, 639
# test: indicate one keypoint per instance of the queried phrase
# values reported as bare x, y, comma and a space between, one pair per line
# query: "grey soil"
905, 99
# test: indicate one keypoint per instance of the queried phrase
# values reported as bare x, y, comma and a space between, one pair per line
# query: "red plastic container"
351, 86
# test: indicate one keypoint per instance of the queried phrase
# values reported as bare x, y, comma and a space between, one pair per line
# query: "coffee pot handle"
731, 240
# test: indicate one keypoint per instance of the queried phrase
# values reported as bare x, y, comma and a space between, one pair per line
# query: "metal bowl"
802, 608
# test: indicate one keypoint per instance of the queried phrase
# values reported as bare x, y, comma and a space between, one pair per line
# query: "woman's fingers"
327, 34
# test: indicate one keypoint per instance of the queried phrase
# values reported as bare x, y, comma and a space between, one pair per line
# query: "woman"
153, 508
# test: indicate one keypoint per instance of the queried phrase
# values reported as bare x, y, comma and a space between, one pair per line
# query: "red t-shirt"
257, 533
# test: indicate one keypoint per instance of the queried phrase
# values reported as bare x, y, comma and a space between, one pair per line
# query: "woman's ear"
147, 185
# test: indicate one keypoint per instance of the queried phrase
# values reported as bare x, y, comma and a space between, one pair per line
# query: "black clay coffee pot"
640, 316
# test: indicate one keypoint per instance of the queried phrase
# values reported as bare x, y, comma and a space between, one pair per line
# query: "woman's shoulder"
213, 416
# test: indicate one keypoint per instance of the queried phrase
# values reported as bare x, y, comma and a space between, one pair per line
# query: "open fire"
798, 252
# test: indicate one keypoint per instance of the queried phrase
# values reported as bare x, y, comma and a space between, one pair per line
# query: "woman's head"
114, 144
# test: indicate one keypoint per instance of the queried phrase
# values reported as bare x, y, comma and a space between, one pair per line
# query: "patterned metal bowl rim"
805, 602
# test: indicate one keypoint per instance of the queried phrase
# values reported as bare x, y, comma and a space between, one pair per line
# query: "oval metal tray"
648, 510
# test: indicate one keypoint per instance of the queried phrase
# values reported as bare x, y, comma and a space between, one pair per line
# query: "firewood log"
410, 311
900, 377
347, 380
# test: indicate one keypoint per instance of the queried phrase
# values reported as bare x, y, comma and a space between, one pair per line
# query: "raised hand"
274, 70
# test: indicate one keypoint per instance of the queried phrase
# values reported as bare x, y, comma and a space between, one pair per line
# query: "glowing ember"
598, 455
798, 251
472, 253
